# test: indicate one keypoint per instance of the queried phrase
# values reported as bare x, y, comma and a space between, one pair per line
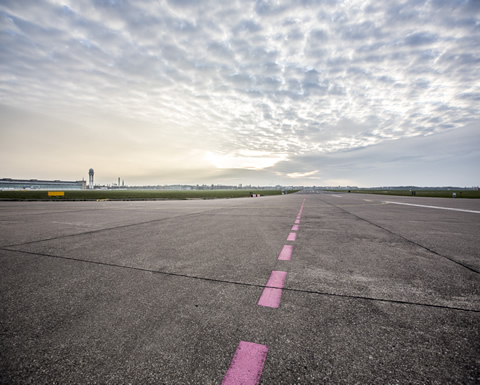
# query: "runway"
295, 289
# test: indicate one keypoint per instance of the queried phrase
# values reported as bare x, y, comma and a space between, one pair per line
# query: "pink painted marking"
292, 237
277, 279
247, 364
297, 221
299, 216
286, 253
272, 295
294, 228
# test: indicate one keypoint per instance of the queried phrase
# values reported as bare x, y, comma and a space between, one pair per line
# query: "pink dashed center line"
292, 237
286, 253
272, 295
277, 279
247, 364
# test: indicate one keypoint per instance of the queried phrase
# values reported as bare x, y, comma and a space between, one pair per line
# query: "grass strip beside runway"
134, 194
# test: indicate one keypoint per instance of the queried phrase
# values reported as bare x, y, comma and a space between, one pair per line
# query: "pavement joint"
43, 213
405, 239
290, 289
112, 228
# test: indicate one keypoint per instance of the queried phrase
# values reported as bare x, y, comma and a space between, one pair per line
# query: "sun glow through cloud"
245, 160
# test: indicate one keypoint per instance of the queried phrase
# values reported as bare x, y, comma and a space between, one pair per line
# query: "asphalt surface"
164, 291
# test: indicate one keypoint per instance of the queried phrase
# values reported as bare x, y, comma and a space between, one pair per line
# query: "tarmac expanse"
296, 289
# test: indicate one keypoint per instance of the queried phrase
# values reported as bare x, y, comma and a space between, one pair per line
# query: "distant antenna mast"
90, 178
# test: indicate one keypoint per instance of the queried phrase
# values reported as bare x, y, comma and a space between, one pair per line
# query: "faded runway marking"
272, 295
247, 364
286, 253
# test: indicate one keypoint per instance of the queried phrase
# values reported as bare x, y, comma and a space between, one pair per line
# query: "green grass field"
421, 193
134, 194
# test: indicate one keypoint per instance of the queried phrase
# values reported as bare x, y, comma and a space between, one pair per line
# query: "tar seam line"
347, 296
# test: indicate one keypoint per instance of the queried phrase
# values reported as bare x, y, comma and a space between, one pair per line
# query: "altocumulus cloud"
294, 92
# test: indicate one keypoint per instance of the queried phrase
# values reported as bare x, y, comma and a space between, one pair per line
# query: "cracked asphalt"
163, 291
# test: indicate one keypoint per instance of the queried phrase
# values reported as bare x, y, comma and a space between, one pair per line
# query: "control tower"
90, 178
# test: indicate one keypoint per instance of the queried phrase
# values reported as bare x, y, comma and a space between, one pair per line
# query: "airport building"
22, 184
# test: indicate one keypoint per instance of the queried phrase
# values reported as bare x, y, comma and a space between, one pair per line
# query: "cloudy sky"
293, 92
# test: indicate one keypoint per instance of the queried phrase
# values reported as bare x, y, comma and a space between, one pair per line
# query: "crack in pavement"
404, 238
113, 228
347, 296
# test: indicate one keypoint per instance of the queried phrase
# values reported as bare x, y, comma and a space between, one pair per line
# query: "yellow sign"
56, 193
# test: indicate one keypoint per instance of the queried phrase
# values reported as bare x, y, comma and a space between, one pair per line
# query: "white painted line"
337, 196
433, 207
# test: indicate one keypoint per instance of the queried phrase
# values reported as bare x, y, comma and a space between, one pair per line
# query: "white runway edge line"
434, 207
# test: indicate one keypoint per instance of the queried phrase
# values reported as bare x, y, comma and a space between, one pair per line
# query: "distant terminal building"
22, 184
